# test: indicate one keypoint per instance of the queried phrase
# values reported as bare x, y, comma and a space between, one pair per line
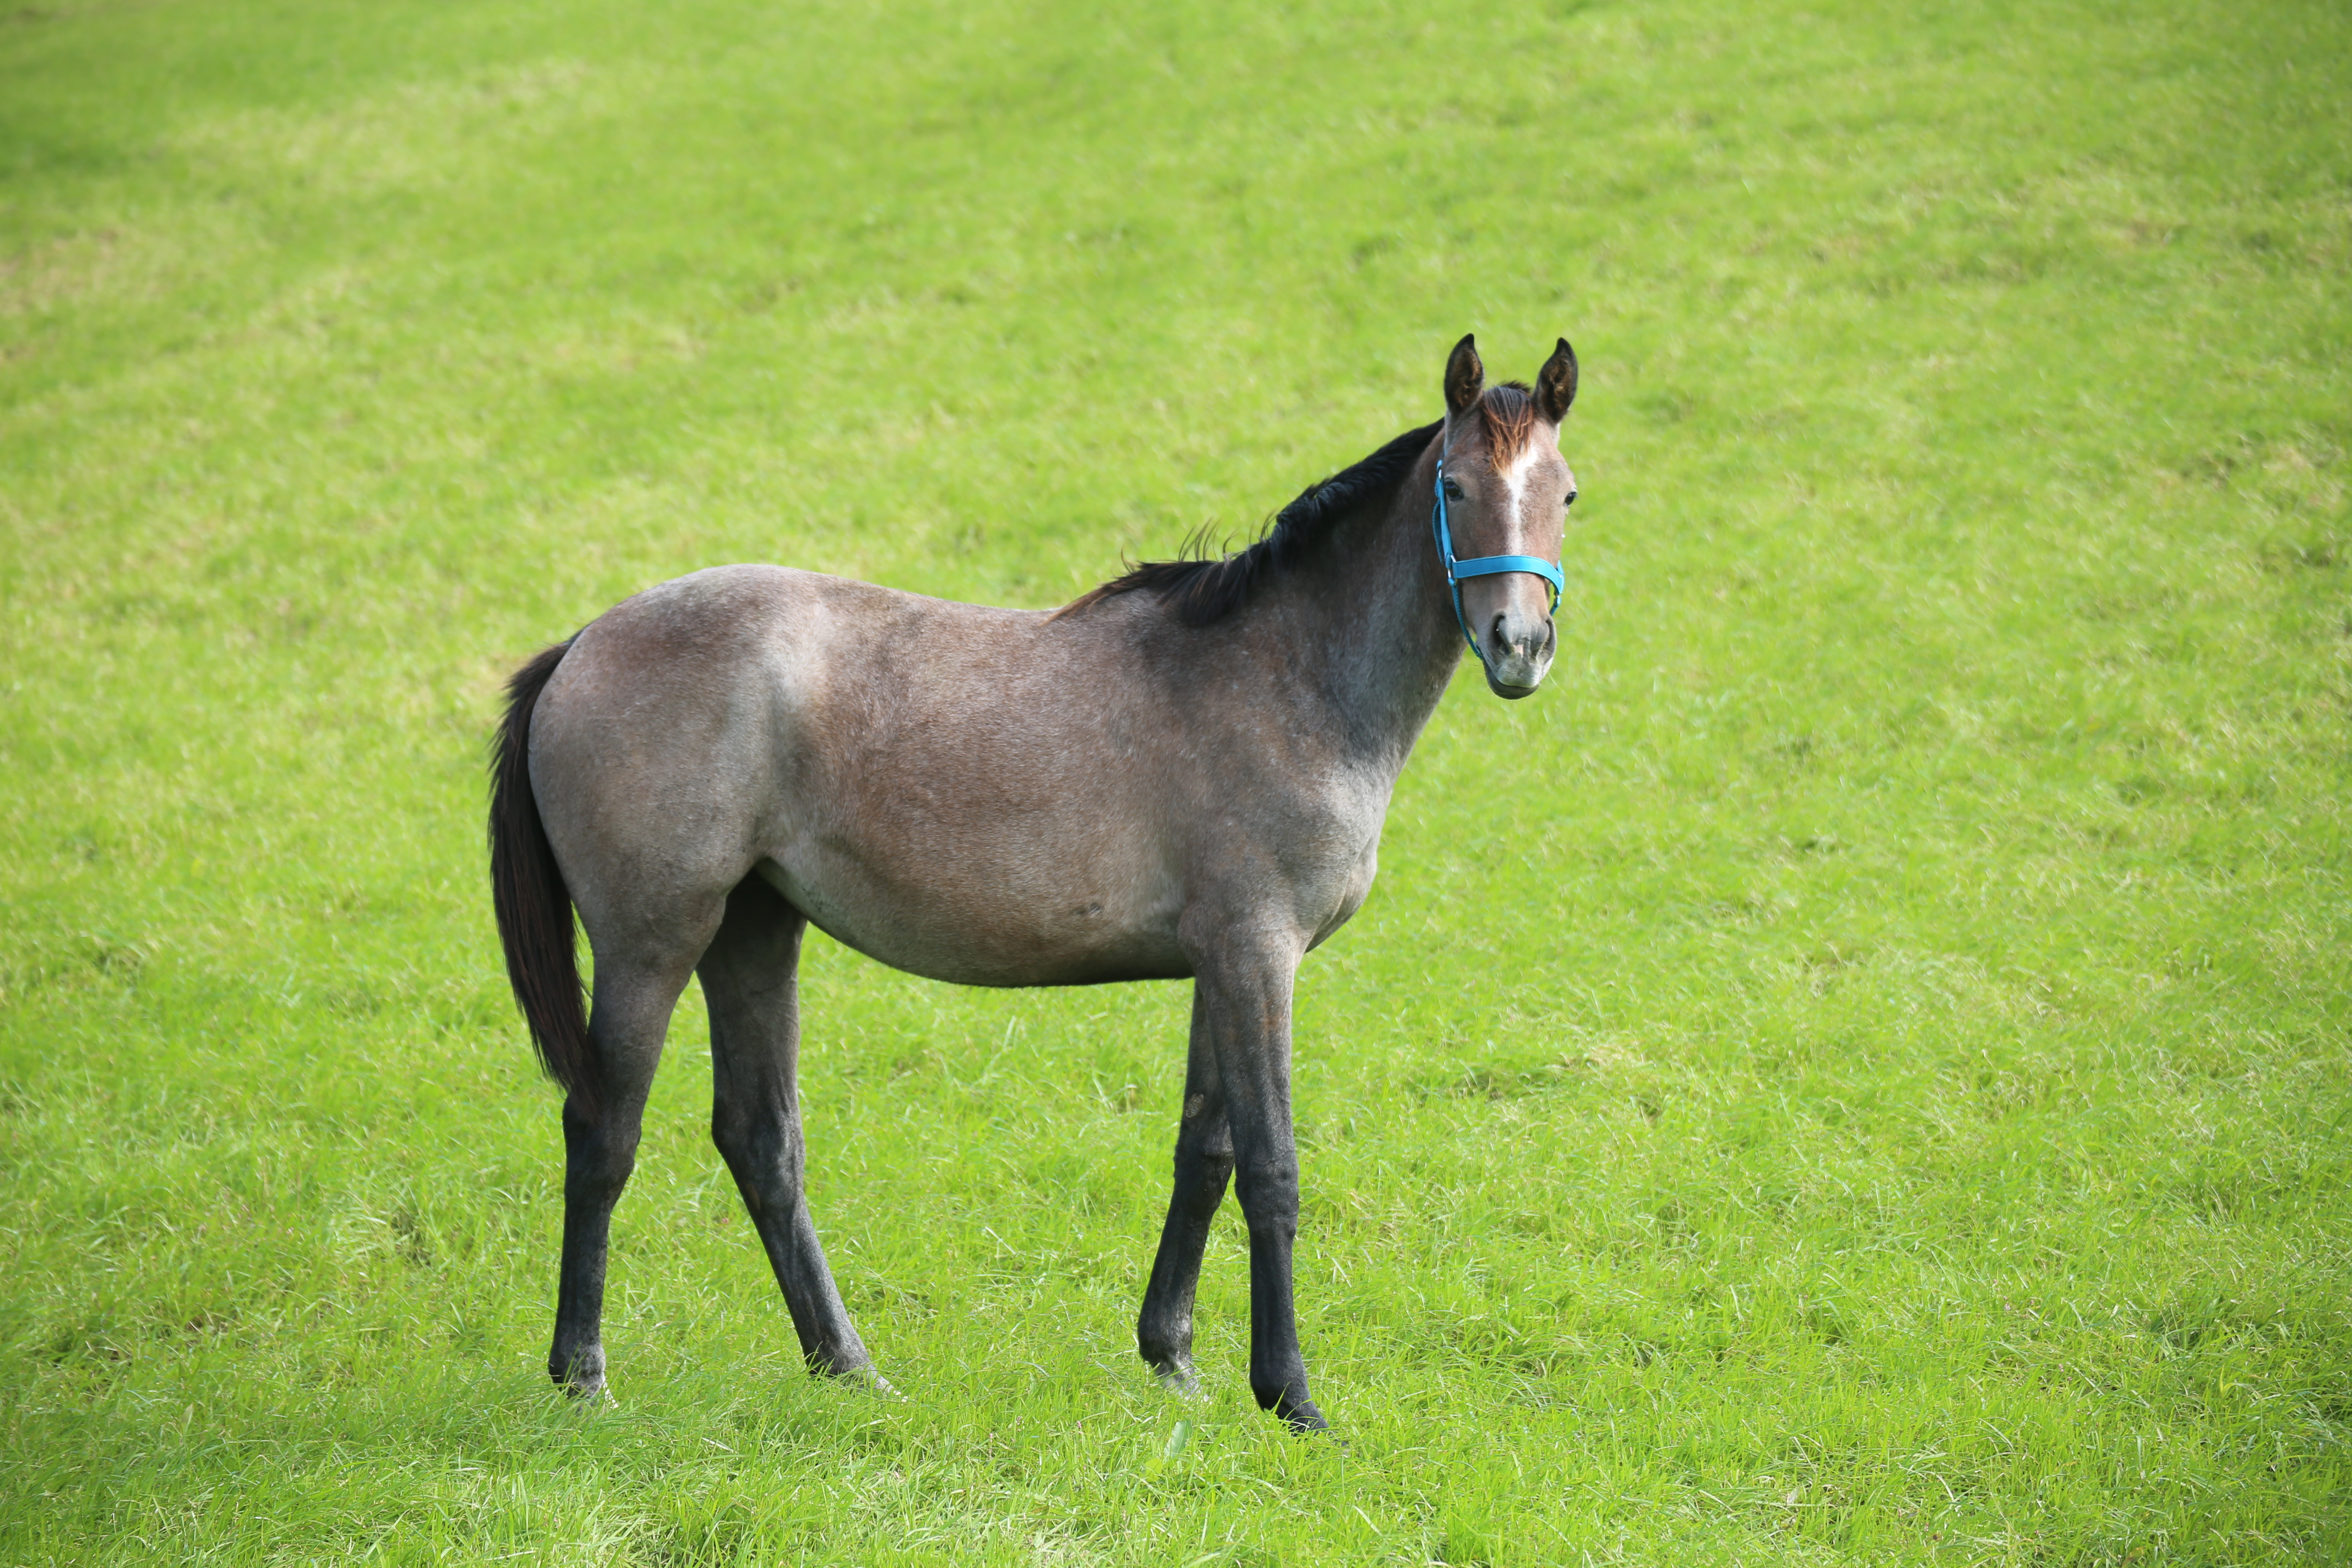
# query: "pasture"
1854, 1071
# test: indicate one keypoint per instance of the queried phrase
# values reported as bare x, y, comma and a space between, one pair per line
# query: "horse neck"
1376, 624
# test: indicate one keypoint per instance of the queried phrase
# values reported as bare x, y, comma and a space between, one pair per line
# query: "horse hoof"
867, 1378
1302, 1418
1176, 1378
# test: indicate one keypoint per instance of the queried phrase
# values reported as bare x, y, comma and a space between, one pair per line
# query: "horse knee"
1268, 1191
1201, 1175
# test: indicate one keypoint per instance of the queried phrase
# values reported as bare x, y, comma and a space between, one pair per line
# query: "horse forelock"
1507, 417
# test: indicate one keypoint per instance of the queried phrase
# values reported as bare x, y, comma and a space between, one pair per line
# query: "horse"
1180, 774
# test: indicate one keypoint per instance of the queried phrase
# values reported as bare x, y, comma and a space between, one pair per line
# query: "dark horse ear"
1556, 383
1465, 377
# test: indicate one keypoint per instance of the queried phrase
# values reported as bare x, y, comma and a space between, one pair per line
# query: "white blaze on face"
1516, 479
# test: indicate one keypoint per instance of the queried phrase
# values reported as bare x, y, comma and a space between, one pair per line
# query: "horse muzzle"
1517, 654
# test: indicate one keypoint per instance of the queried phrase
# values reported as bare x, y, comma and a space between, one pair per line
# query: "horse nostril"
1499, 639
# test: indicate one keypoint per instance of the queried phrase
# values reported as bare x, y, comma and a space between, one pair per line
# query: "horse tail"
534, 907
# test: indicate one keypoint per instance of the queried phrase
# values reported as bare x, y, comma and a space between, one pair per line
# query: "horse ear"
1466, 376
1556, 383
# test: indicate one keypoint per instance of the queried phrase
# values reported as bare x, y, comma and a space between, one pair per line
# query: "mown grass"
1856, 1073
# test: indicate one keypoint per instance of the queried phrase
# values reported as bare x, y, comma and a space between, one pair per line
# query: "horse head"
1503, 494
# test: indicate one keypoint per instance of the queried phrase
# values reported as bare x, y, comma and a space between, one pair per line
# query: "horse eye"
1452, 490
1570, 502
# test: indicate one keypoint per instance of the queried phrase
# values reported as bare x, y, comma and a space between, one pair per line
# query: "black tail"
533, 905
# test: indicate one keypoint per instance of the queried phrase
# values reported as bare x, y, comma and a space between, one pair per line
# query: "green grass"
1856, 1073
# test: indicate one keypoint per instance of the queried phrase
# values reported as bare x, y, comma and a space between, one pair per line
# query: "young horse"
1182, 774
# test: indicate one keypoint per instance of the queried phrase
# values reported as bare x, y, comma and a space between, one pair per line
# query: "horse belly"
990, 919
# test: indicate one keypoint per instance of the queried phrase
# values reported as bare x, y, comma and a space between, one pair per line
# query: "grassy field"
1856, 1071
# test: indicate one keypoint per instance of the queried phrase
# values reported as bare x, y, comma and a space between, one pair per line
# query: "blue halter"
1482, 566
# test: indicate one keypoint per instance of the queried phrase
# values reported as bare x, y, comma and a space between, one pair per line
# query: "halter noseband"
1482, 565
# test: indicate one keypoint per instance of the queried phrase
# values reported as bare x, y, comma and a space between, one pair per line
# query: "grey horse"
1182, 774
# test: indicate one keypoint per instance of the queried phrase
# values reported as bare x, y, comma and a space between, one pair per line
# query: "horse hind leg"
635, 996
751, 984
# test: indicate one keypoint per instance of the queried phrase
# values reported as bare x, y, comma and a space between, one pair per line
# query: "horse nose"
1533, 641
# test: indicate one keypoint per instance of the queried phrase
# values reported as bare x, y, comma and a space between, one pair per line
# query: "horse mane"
1202, 592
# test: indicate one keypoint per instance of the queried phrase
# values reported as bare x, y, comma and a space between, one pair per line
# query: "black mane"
1203, 592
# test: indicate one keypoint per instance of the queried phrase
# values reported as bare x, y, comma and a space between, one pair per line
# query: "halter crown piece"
1481, 565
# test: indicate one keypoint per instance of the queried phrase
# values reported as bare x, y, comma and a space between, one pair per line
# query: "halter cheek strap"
1481, 565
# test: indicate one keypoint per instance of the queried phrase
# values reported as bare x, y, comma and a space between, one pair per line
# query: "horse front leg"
1242, 994
1204, 1164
